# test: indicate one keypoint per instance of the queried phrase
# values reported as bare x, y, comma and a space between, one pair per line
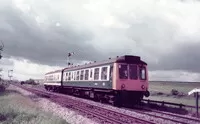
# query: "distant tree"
1, 49
0, 73
30, 81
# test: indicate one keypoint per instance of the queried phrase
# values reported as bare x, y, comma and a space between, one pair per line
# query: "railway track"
101, 115
105, 115
182, 119
168, 116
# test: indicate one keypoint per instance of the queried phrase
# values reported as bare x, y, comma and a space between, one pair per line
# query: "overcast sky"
38, 34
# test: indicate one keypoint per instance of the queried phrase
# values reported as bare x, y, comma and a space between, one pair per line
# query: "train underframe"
115, 97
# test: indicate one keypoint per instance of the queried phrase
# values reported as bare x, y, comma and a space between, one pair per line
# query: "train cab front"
131, 80
131, 77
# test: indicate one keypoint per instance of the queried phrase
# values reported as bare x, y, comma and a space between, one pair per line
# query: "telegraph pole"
10, 72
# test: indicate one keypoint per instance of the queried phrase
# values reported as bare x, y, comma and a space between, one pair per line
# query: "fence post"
163, 103
181, 106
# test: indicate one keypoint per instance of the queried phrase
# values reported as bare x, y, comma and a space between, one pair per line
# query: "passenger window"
104, 71
96, 74
86, 74
111, 72
77, 75
91, 72
123, 71
69, 76
133, 72
74, 75
142, 73
81, 78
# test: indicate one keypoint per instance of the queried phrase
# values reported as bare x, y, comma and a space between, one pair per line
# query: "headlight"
123, 86
142, 86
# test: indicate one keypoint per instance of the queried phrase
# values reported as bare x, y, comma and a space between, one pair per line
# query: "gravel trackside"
48, 106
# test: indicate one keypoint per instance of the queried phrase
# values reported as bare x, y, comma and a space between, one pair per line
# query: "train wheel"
96, 97
48, 88
117, 101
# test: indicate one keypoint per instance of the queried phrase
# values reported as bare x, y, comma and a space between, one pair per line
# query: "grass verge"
17, 109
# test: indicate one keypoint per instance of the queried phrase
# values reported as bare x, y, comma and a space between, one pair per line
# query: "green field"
166, 87
17, 109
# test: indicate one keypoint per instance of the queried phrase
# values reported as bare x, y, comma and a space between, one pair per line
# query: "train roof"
53, 72
126, 58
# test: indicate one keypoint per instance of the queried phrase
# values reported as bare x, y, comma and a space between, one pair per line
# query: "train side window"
86, 74
77, 75
69, 76
74, 75
81, 77
96, 74
123, 71
133, 72
91, 72
111, 72
142, 73
66, 76
104, 72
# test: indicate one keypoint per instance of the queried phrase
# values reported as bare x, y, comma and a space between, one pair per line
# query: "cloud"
24, 69
184, 58
45, 45
169, 75
43, 32
6, 62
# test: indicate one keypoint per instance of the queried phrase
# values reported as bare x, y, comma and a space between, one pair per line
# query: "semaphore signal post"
68, 56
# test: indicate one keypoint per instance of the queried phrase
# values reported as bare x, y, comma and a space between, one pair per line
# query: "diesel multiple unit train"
119, 80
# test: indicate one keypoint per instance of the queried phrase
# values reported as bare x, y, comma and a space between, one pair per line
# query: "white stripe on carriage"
52, 84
